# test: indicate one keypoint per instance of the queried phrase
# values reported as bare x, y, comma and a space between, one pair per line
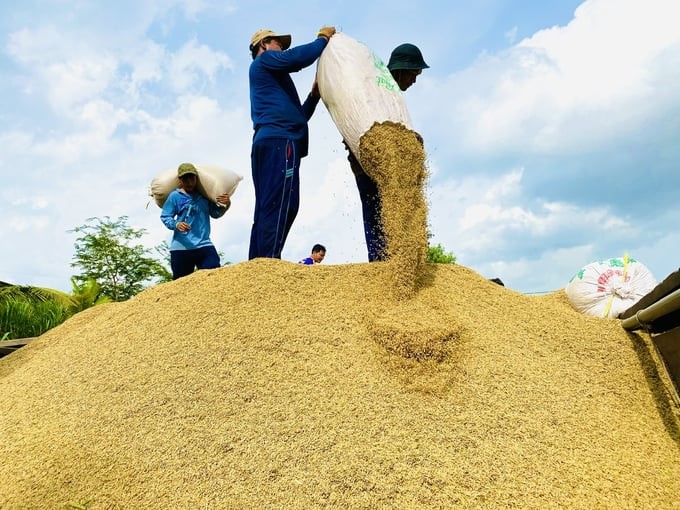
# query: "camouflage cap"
186, 169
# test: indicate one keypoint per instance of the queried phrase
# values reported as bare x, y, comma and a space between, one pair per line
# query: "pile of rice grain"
393, 156
272, 385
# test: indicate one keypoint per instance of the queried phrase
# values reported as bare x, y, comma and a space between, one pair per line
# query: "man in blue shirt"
317, 256
187, 213
280, 139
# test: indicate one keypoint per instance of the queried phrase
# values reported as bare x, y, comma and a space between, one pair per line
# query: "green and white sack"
212, 181
358, 89
607, 288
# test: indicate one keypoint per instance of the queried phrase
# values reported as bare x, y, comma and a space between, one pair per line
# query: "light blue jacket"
194, 209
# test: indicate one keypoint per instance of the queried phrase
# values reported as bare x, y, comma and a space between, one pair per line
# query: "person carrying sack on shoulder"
187, 213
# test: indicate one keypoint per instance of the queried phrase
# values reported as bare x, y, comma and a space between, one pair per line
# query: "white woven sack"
212, 181
607, 288
358, 89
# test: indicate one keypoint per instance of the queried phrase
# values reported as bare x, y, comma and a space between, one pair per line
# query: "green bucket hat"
406, 56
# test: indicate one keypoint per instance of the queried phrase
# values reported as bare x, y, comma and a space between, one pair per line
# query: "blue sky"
550, 128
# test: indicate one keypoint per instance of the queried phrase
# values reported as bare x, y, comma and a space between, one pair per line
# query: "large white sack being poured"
358, 89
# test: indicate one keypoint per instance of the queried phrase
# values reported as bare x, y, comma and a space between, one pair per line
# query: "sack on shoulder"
212, 181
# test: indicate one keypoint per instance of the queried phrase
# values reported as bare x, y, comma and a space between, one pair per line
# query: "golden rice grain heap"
268, 384
393, 156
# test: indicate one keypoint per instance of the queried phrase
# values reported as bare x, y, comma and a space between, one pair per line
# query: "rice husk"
393, 157
268, 384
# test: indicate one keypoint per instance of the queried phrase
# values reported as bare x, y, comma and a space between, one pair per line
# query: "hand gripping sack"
212, 181
358, 89
607, 288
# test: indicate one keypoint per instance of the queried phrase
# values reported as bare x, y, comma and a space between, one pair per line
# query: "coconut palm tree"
10, 292
28, 311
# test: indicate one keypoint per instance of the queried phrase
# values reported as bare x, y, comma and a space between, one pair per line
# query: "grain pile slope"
271, 385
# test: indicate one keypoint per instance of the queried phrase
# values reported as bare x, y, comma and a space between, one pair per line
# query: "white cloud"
77, 80
508, 185
35, 203
551, 270
193, 8
598, 72
93, 142
27, 224
102, 116
13, 143
146, 60
192, 62
567, 87
66, 73
194, 119
36, 46
69, 73
483, 218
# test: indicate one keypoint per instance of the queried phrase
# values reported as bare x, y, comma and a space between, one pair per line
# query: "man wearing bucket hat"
405, 65
280, 138
187, 213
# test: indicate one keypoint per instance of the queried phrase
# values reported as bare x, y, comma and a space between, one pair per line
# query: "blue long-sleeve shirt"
274, 103
194, 209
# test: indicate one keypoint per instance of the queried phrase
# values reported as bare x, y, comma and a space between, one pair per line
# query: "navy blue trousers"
183, 262
276, 176
371, 209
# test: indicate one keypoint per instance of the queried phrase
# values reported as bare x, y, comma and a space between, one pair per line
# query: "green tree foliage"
163, 253
86, 295
106, 253
438, 255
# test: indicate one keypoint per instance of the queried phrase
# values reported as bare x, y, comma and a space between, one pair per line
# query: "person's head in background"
318, 253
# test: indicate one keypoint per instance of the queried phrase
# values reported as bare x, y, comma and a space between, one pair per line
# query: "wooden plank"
9, 346
19, 342
4, 351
